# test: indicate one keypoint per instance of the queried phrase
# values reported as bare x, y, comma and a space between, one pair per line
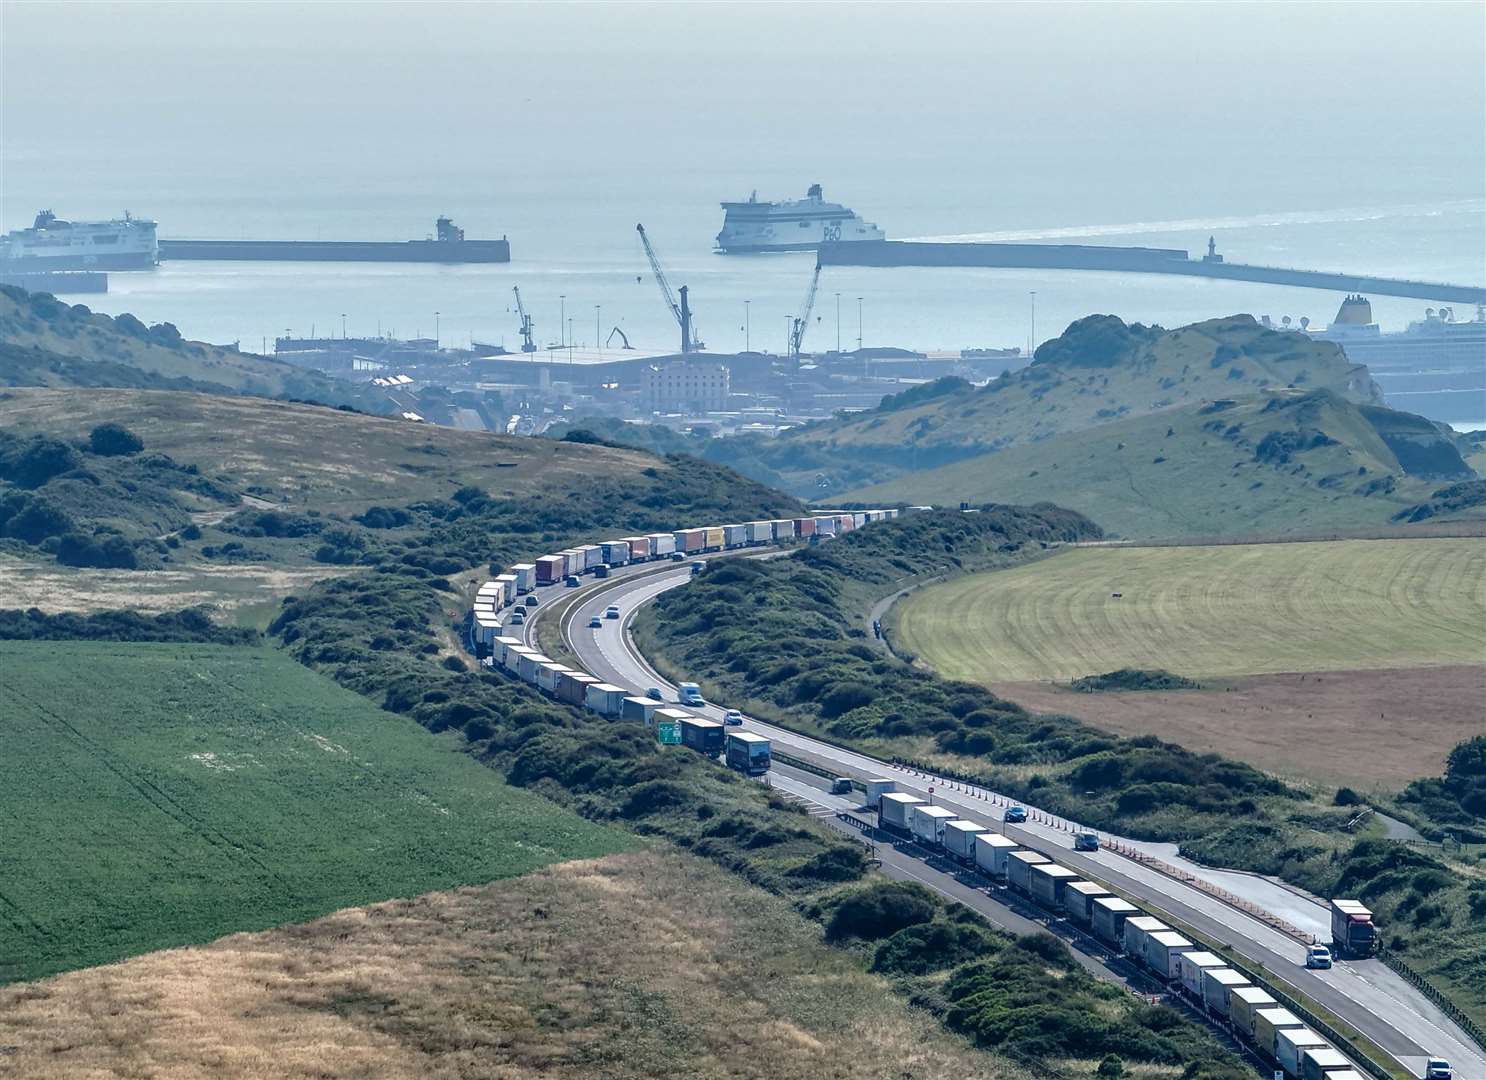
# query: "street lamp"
747, 343
597, 344
859, 324
562, 316
435, 329
789, 333
838, 324
343, 326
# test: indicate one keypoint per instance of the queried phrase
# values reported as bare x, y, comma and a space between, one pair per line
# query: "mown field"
1208, 612
162, 795
638, 965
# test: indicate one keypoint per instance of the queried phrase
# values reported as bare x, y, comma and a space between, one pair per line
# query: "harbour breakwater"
1129, 260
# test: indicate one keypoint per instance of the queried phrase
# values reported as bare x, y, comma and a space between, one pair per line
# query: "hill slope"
47, 342
1099, 371
173, 793
1284, 462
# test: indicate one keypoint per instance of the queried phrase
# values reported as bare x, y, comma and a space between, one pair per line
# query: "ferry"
126, 243
799, 225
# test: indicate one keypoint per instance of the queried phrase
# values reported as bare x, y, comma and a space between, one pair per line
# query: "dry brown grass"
647, 964
1409, 719
301, 455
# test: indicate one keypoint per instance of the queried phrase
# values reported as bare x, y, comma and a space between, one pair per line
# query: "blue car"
1016, 813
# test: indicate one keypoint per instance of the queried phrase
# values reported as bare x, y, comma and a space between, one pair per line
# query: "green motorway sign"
668, 733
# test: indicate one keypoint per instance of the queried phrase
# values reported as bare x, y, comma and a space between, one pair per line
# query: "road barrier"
1434, 994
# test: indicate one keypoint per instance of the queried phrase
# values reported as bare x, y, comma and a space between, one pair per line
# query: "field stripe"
1209, 611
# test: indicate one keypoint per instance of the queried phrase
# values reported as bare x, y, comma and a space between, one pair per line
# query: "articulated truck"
1352, 931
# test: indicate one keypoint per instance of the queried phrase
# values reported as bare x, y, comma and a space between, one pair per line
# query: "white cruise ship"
126, 243
800, 225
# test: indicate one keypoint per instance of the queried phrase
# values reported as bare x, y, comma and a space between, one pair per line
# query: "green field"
161, 795
1208, 611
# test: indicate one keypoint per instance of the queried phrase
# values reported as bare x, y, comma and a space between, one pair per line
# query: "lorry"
1019, 866
606, 699
1137, 929
689, 693
714, 537
1190, 968
893, 808
760, 532
526, 577
702, 735
748, 752
1268, 1023
1289, 1044
825, 526
1352, 931
1244, 1002
661, 544
1218, 985
616, 552
1322, 1062
991, 850
593, 555
1046, 882
804, 527
876, 788
638, 708
734, 536
928, 822
690, 541
573, 689
639, 548
547, 676
1110, 913
1078, 900
1163, 952
551, 569
959, 839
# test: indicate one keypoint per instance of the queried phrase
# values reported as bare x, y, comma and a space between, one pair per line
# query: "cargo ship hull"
409, 251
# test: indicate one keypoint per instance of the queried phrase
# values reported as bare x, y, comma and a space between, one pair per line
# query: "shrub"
114, 440
880, 910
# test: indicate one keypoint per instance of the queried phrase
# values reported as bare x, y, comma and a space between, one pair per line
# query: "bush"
114, 440
1111, 1068
880, 910
931, 946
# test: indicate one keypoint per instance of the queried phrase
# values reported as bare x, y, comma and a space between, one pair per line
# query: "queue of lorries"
1207, 980
746, 751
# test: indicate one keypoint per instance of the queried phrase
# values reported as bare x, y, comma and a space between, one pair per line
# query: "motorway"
1365, 994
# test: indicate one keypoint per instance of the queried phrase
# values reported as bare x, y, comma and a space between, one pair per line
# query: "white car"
1439, 1069
1318, 956
732, 718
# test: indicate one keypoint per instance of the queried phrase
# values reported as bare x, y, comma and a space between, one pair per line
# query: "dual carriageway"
1265, 924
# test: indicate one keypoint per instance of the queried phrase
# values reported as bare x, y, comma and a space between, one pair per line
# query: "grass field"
160, 795
638, 965
1209, 611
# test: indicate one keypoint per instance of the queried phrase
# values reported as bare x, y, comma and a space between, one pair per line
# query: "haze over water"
562, 126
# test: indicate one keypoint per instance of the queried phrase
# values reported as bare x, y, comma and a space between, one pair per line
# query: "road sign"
668, 732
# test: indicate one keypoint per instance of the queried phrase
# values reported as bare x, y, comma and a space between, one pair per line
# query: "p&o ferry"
800, 225
50, 244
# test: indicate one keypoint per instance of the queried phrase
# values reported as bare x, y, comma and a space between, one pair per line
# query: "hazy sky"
1387, 97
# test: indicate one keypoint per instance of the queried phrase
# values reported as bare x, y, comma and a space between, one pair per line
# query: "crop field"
162, 795
1209, 612
638, 965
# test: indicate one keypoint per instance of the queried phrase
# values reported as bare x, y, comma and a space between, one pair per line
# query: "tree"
1111, 1068
114, 440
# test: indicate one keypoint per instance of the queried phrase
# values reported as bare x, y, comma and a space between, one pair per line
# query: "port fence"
1422, 984
977, 788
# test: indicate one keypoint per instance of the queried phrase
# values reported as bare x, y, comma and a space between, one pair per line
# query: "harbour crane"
681, 311
527, 344
802, 321
622, 337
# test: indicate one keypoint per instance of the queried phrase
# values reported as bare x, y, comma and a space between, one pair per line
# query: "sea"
565, 155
